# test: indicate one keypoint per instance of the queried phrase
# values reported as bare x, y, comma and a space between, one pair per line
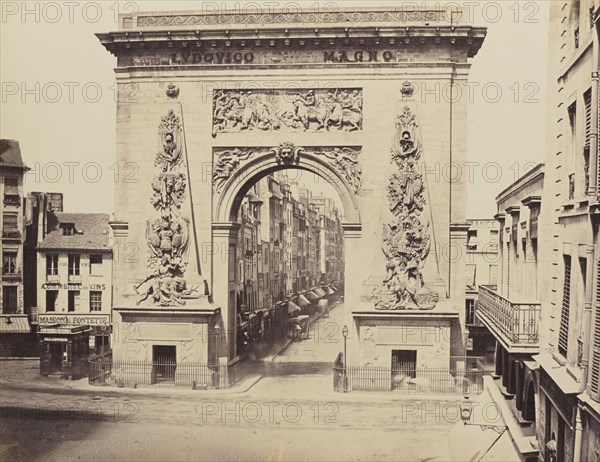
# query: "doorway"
56, 352
405, 361
164, 363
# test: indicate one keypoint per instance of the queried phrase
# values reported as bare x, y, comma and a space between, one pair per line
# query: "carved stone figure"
172, 90
406, 238
228, 162
305, 110
170, 138
345, 160
287, 153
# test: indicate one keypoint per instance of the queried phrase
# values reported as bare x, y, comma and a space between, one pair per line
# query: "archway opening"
287, 262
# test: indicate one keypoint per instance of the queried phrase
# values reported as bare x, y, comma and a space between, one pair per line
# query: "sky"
58, 93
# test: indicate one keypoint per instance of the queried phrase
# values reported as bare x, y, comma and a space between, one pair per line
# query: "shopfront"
64, 350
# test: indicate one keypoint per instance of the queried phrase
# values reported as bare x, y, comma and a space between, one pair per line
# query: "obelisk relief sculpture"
168, 234
406, 235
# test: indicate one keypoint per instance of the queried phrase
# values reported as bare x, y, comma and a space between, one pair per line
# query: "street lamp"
466, 412
345, 334
216, 331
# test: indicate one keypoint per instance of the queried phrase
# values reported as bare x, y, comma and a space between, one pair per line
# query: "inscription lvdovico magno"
249, 57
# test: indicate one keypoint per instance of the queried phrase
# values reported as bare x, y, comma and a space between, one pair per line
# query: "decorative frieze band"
343, 159
325, 17
307, 110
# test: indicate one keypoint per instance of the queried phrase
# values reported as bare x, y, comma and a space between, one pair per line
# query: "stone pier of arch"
209, 103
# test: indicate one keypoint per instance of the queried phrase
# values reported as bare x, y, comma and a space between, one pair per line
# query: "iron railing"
463, 377
160, 374
518, 323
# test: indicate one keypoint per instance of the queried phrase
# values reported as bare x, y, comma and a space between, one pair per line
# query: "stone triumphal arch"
370, 100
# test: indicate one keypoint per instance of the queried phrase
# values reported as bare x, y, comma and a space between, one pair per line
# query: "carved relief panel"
302, 110
343, 159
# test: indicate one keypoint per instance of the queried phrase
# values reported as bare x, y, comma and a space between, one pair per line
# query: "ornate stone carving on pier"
168, 234
406, 237
343, 159
303, 110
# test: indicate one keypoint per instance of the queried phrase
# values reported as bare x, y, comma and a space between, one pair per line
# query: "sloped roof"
91, 232
10, 154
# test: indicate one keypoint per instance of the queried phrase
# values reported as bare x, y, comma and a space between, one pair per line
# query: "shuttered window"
595, 372
563, 334
587, 101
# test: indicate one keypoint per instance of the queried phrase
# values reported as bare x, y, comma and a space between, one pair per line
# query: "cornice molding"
394, 36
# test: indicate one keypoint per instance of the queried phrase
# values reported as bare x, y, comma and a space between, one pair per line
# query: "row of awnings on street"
310, 295
304, 299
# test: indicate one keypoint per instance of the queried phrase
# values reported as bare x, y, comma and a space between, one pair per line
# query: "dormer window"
68, 229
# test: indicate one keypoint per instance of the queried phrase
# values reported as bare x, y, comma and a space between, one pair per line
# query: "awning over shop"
292, 307
14, 324
334, 288
303, 301
329, 291
312, 295
298, 319
320, 292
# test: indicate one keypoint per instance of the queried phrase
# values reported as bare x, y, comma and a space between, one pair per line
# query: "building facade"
74, 276
569, 363
550, 255
511, 309
15, 327
40, 219
482, 268
11, 190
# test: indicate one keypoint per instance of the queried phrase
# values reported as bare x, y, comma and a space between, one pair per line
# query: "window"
74, 296
51, 297
9, 299
9, 222
96, 264
470, 311
11, 182
563, 333
587, 100
74, 265
595, 369
493, 275
494, 239
470, 276
95, 300
472, 239
12, 199
68, 229
9, 263
572, 111
52, 265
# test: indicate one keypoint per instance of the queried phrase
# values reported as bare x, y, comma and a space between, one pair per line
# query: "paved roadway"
282, 417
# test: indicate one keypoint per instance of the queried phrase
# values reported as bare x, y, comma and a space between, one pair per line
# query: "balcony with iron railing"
515, 325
